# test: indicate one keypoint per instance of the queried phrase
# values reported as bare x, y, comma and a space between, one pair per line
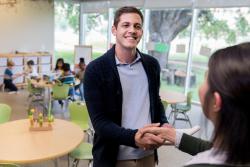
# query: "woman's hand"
166, 132
148, 141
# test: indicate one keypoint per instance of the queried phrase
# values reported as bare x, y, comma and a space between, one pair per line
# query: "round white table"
20, 145
172, 97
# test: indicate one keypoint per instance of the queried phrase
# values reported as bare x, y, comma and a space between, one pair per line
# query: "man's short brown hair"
126, 9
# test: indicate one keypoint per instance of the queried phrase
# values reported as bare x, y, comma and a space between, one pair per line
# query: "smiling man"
122, 96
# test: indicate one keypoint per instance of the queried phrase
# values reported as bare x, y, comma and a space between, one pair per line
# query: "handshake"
153, 136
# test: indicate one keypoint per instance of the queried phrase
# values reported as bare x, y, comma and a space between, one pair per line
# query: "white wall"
28, 26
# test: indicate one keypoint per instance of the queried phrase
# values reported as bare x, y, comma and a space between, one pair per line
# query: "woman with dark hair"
30, 69
59, 66
224, 97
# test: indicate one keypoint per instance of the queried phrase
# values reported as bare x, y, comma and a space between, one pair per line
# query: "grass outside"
183, 57
199, 73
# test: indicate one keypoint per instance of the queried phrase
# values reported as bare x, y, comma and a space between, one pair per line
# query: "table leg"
56, 161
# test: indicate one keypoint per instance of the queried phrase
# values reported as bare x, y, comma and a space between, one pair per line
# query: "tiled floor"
169, 156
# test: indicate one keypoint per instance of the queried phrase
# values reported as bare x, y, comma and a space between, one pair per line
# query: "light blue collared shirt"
135, 104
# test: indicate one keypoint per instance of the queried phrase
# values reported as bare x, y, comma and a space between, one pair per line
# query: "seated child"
30, 70
80, 75
80, 70
67, 78
59, 66
9, 77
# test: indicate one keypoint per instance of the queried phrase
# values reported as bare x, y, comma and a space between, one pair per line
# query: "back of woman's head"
229, 75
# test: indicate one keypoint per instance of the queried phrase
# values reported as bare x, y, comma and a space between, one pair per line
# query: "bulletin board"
84, 51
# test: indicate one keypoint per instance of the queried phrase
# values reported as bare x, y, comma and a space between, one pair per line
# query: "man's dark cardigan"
103, 95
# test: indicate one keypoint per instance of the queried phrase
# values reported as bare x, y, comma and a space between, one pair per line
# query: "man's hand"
148, 141
166, 132
167, 125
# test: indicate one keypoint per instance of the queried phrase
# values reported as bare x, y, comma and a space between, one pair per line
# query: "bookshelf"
43, 63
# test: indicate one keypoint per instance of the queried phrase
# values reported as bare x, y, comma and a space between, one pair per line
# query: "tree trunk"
161, 57
165, 25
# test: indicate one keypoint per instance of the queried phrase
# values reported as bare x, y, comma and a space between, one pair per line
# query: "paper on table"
189, 131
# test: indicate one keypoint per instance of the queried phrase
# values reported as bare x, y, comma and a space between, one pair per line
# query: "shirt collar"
138, 58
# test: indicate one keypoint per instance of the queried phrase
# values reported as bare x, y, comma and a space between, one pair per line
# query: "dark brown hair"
66, 67
57, 61
126, 9
30, 63
229, 75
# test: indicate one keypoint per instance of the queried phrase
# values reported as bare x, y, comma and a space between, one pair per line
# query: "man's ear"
217, 102
113, 30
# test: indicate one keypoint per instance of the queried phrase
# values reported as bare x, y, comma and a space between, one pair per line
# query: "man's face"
128, 31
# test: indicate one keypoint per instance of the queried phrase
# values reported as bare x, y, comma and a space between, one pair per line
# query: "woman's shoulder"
211, 156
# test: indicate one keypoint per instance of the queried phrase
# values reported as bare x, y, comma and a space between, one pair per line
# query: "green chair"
5, 112
32, 90
173, 106
82, 152
165, 104
35, 97
8, 165
183, 109
60, 92
79, 115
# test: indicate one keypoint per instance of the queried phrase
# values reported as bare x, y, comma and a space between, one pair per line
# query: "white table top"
172, 97
20, 145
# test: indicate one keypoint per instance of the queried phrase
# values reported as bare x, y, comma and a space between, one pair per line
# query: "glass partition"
217, 28
66, 30
96, 32
169, 36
